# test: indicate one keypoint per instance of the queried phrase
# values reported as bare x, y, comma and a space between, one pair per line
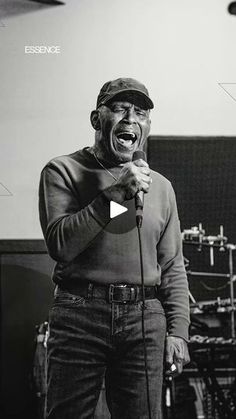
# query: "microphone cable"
143, 327
139, 200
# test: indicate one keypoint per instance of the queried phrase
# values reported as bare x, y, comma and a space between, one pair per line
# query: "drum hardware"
196, 236
224, 407
214, 306
209, 355
198, 341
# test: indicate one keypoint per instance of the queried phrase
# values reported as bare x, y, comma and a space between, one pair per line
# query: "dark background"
202, 172
26, 293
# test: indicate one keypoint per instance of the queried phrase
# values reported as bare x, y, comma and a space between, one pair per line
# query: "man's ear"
94, 118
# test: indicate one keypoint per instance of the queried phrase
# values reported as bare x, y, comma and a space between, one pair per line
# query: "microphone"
139, 197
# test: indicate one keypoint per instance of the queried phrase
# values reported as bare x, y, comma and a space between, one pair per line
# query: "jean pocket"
153, 305
66, 299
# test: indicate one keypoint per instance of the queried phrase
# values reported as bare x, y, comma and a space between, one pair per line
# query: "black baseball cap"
127, 86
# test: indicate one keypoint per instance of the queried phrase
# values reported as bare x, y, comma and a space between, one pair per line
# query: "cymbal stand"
196, 236
231, 248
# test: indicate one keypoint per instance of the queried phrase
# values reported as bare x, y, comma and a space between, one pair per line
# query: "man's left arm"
174, 288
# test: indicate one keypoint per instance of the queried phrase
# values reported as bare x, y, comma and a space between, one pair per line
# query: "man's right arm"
68, 230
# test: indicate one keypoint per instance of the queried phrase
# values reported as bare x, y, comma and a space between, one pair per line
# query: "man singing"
95, 322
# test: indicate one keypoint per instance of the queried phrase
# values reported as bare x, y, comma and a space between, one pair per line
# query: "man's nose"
130, 116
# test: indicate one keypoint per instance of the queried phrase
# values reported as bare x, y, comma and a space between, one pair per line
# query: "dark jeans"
91, 339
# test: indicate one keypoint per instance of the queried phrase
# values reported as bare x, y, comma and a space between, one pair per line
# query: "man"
95, 321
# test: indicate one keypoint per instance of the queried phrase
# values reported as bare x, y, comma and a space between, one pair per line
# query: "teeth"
126, 136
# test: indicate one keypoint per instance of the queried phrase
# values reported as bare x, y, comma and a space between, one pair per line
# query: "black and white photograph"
118, 203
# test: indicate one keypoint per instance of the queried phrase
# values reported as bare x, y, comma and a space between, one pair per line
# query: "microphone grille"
139, 154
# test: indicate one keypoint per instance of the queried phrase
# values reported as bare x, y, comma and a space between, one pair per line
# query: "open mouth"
126, 139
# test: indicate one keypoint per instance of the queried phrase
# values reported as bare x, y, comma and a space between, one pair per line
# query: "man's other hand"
176, 354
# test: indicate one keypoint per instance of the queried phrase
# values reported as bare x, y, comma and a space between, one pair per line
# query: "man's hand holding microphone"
134, 177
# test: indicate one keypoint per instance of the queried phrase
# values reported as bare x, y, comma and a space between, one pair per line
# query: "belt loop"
110, 293
90, 290
136, 294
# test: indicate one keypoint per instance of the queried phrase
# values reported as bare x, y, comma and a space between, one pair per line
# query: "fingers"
144, 182
142, 166
143, 170
179, 368
179, 365
176, 355
140, 163
169, 355
134, 178
186, 359
141, 175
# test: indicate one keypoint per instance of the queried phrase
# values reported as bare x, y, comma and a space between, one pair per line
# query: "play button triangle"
116, 209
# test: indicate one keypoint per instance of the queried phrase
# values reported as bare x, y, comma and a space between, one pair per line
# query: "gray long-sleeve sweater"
88, 245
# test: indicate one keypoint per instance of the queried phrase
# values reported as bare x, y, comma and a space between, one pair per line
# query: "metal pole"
210, 274
231, 285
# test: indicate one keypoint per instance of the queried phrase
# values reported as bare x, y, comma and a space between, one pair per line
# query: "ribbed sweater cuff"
179, 328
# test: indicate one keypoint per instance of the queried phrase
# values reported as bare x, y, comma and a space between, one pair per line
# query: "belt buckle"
132, 296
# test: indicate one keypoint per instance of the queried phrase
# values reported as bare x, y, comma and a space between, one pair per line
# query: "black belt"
117, 293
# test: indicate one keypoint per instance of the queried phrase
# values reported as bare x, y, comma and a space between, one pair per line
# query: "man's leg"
125, 378
76, 360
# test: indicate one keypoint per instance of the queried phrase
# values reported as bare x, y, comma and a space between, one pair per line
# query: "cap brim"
135, 92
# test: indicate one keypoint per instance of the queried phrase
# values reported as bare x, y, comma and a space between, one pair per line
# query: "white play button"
116, 209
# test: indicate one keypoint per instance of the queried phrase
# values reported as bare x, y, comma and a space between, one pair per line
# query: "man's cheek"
108, 128
146, 131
